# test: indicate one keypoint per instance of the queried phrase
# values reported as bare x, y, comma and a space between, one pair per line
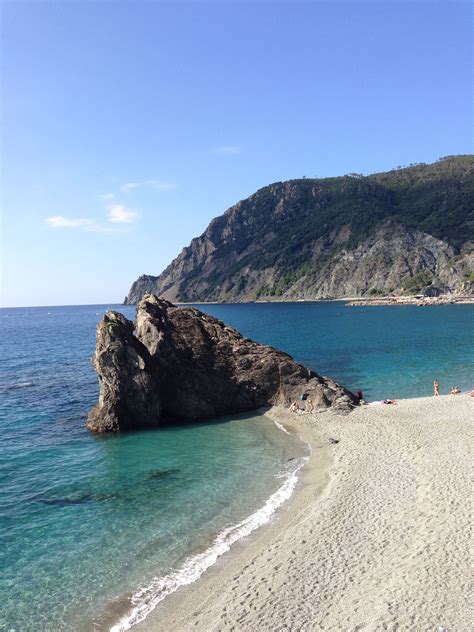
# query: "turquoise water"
386, 351
88, 521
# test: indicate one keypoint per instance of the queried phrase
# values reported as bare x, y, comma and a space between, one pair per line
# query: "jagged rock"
129, 389
183, 365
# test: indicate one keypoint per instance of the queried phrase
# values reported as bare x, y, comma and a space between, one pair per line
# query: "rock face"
183, 365
401, 231
129, 389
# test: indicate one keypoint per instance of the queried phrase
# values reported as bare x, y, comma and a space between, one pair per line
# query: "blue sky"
128, 126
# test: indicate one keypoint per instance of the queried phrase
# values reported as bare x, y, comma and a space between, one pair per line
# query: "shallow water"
87, 520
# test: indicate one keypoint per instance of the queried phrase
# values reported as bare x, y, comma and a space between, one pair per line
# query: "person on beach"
455, 390
436, 388
309, 405
293, 407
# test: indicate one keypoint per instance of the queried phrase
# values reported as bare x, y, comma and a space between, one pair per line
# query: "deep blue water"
86, 520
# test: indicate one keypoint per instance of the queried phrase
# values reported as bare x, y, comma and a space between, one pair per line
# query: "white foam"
280, 426
16, 385
147, 598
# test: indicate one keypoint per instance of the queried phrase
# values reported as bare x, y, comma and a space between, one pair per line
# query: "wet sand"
377, 536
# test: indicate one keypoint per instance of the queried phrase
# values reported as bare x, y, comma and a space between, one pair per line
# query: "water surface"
86, 520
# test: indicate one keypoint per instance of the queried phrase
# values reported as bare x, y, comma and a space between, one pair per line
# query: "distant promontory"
406, 231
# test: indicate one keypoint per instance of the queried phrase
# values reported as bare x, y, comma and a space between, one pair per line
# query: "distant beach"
418, 300
356, 301
377, 535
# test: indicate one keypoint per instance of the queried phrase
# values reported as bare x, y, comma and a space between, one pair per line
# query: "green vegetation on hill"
417, 282
297, 228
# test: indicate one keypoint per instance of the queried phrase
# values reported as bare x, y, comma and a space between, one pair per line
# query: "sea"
95, 531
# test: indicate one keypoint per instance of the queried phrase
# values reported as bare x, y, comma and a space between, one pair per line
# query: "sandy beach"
377, 536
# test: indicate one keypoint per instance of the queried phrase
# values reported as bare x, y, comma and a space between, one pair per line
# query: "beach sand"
377, 536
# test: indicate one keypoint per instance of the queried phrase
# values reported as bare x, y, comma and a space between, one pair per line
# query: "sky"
128, 126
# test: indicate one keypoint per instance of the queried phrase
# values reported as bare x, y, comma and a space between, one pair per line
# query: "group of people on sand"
307, 403
362, 402
454, 390
308, 406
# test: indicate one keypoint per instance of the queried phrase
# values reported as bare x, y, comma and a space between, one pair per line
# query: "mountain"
407, 230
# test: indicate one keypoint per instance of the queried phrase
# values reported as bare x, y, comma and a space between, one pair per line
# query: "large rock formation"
183, 365
129, 389
404, 231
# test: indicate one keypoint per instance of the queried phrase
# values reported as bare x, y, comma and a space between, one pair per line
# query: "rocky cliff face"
129, 388
403, 231
183, 365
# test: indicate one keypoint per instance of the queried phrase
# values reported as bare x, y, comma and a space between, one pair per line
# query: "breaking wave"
147, 598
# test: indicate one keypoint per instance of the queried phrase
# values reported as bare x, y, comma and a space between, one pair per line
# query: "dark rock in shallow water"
160, 475
184, 365
76, 500
64, 502
129, 389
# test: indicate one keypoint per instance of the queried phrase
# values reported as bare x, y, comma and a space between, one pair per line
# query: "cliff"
407, 230
178, 364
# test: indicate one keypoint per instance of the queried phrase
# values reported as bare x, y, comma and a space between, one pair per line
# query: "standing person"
309, 405
436, 388
359, 395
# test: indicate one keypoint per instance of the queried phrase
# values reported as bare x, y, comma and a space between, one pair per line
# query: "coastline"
376, 534
352, 301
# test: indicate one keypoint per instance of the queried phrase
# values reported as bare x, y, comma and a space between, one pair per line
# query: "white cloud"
228, 149
58, 221
161, 185
89, 225
119, 214
116, 214
125, 188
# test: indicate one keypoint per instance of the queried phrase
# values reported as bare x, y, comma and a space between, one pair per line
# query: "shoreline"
352, 301
129, 610
374, 535
313, 474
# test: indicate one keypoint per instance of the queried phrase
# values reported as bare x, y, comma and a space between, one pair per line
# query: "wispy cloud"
125, 188
58, 221
119, 214
82, 223
227, 149
116, 214
161, 185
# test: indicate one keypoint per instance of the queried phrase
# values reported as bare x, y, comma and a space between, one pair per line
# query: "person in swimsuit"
436, 388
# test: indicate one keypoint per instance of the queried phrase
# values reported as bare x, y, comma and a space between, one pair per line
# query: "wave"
16, 385
280, 426
147, 598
